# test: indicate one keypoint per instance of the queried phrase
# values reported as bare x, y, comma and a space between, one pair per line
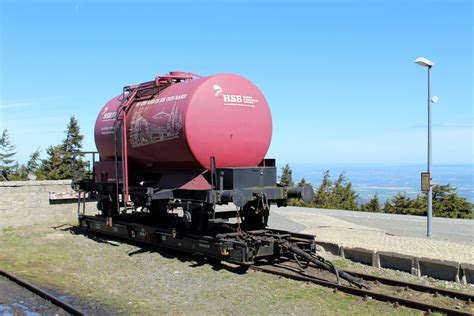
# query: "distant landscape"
386, 180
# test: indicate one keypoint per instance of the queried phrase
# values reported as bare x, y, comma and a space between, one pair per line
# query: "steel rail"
363, 292
45, 295
417, 287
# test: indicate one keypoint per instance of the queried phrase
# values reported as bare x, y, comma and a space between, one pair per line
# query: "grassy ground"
132, 280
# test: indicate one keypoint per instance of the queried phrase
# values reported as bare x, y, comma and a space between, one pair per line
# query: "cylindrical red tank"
225, 116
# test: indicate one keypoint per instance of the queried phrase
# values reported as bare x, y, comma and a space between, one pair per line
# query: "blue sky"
338, 75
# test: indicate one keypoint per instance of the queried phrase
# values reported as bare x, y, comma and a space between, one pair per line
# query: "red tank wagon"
189, 142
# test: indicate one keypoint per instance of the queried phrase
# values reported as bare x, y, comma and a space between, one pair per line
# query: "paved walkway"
331, 229
455, 230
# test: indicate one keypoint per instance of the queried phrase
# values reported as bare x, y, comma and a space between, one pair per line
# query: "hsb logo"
232, 98
109, 115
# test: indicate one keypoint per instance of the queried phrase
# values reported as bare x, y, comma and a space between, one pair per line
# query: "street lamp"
428, 64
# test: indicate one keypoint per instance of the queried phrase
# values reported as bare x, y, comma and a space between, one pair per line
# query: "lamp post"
428, 64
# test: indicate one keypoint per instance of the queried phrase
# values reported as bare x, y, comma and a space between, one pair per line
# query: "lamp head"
424, 62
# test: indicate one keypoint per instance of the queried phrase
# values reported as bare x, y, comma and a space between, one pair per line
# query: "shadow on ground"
192, 259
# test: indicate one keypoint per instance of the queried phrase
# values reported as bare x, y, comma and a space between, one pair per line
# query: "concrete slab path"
328, 228
448, 229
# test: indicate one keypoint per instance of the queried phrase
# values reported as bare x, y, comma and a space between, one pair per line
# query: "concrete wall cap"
394, 254
437, 261
359, 249
467, 266
33, 183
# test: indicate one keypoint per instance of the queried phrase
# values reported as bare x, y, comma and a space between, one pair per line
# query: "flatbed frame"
226, 242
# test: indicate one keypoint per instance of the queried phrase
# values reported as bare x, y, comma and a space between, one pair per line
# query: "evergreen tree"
337, 190
373, 205
53, 167
286, 178
454, 206
7, 151
418, 206
74, 138
342, 195
18, 172
335, 195
400, 203
322, 198
302, 183
64, 161
349, 198
33, 165
440, 191
72, 147
446, 203
26, 171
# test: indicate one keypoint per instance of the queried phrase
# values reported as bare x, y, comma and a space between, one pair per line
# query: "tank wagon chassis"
229, 244
238, 235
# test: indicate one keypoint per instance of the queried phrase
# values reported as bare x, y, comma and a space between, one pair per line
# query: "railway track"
41, 293
399, 293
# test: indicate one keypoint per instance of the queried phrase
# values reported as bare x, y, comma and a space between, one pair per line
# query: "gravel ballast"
16, 300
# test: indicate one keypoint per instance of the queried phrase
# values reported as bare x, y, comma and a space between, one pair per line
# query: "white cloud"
15, 104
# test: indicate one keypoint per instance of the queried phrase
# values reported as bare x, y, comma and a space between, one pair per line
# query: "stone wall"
25, 203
